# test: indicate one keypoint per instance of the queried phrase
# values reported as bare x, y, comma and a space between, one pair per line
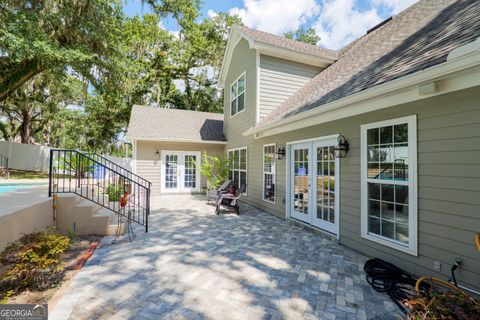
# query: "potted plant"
114, 193
216, 170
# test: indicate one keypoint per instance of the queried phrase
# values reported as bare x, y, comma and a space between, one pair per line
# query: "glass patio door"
300, 182
314, 173
179, 172
171, 173
325, 168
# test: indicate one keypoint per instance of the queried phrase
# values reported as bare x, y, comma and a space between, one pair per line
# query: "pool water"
4, 188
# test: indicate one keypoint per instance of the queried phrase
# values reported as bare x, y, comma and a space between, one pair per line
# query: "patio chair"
231, 202
222, 189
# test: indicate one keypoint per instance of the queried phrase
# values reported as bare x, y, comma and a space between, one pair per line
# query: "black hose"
386, 277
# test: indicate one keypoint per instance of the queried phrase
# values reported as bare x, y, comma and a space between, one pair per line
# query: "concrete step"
113, 221
85, 216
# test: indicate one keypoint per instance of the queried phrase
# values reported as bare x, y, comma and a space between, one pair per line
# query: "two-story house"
376, 144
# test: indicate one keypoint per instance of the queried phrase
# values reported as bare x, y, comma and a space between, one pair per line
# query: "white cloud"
211, 13
340, 23
175, 33
161, 25
394, 5
276, 16
337, 22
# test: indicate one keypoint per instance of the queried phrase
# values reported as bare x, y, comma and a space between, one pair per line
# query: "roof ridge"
175, 109
288, 39
286, 43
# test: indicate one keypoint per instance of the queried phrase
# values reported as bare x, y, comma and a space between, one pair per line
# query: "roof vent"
379, 25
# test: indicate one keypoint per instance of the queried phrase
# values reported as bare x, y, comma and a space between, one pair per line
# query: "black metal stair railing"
101, 181
4, 166
116, 167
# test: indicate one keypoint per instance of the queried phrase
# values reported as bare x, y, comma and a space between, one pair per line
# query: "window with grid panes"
237, 96
388, 163
269, 170
238, 171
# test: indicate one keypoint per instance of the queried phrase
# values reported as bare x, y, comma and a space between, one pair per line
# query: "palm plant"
215, 169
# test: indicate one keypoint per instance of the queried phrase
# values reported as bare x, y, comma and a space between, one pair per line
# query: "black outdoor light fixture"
280, 152
157, 155
342, 148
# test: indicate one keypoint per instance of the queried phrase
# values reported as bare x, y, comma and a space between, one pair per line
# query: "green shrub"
114, 192
33, 262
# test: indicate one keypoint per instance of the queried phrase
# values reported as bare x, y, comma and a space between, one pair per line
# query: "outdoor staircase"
85, 217
92, 188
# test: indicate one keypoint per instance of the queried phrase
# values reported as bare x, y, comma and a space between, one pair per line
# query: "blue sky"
337, 22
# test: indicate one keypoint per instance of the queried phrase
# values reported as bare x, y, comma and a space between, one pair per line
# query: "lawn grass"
19, 174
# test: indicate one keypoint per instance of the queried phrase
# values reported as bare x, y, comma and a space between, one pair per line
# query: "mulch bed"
80, 251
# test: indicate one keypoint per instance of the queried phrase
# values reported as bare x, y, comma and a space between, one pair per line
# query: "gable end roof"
278, 46
150, 123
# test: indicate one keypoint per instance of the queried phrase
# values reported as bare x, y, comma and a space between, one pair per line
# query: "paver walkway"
196, 265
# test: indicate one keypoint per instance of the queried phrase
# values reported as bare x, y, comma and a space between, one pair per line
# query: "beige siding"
448, 182
279, 79
243, 60
150, 168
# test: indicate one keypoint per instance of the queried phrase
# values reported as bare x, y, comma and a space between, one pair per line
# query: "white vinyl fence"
126, 163
32, 157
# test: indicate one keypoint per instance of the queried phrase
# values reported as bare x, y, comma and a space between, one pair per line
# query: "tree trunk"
19, 74
25, 131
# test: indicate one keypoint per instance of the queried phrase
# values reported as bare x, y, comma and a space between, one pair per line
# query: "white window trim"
274, 181
246, 164
412, 247
244, 73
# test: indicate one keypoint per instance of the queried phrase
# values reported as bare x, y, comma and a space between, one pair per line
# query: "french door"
314, 177
180, 171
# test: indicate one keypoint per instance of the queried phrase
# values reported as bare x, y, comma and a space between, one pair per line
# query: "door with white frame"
180, 173
300, 180
314, 179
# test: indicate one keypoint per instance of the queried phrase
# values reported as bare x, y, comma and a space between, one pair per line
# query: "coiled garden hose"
386, 277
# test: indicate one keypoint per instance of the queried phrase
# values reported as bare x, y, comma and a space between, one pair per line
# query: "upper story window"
237, 95
389, 188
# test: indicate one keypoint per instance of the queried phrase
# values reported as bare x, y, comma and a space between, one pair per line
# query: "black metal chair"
231, 202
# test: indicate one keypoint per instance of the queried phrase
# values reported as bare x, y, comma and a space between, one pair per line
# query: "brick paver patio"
196, 265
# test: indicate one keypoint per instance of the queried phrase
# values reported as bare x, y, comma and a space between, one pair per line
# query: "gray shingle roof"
417, 38
282, 42
163, 124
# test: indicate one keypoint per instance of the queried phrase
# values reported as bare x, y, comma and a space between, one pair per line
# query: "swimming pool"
8, 187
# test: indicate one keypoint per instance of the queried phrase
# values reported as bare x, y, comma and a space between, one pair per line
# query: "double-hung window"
269, 170
389, 183
238, 166
237, 95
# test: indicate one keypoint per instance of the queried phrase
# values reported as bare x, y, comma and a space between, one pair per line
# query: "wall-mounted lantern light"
280, 152
342, 148
157, 155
